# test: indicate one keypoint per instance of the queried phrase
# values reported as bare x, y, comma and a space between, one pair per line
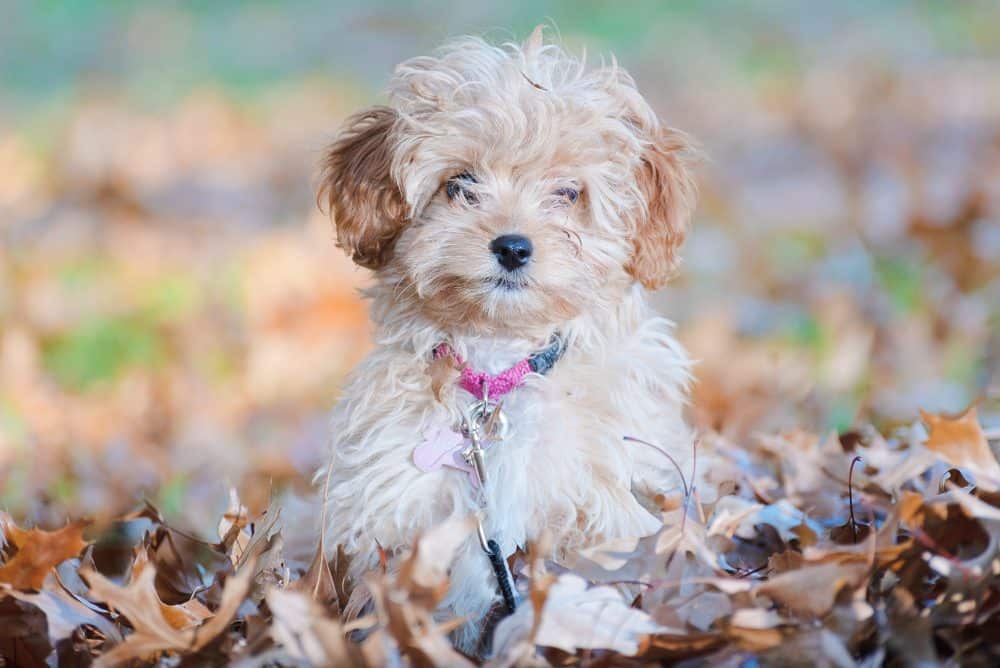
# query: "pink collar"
497, 385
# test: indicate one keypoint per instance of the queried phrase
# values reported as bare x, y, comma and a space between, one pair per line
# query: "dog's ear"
357, 186
668, 188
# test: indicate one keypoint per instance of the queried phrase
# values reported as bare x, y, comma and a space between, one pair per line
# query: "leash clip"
481, 533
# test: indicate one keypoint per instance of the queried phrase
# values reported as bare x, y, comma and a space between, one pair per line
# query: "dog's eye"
568, 194
458, 185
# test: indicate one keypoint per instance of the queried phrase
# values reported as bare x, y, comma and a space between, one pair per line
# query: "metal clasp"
481, 533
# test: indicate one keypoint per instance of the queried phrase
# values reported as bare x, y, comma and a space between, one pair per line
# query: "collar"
497, 385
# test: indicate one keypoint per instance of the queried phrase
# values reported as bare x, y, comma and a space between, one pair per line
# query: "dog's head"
510, 186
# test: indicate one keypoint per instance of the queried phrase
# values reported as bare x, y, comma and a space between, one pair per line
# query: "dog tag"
437, 448
441, 446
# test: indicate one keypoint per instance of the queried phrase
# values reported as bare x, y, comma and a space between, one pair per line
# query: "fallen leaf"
318, 583
424, 573
412, 626
812, 590
961, 442
38, 552
22, 634
301, 627
757, 618
232, 527
755, 640
671, 648
577, 617
184, 615
153, 631
64, 612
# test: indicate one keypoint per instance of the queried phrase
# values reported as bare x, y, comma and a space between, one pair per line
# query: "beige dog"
515, 207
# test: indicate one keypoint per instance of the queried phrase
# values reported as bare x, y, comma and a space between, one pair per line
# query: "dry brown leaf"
405, 603
961, 442
154, 632
976, 507
784, 562
317, 582
264, 529
341, 579
412, 627
38, 552
301, 627
64, 612
142, 607
671, 647
514, 640
379, 649
232, 526
424, 574
909, 508
185, 615
812, 590
575, 616
755, 640
22, 635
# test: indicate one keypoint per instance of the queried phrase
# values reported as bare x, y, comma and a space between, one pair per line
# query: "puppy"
515, 207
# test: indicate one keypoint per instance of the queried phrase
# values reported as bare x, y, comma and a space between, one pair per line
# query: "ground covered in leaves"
853, 549
175, 322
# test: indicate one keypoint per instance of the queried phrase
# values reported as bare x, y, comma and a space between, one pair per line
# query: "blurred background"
175, 318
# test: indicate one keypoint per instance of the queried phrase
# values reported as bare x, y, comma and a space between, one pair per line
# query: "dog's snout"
512, 250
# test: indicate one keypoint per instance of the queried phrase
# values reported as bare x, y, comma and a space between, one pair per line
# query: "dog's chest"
533, 419
555, 454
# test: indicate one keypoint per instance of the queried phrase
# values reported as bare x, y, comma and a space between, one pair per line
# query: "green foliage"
12, 425
170, 298
100, 349
795, 250
171, 496
902, 281
806, 332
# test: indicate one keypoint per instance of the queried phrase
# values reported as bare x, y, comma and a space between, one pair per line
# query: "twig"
850, 496
694, 461
322, 516
665, 454
637, 583
686, 508
742, 573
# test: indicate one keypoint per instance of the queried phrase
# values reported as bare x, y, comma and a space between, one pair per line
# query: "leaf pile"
861, 548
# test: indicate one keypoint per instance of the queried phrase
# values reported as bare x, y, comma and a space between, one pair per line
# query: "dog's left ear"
357, 185
670, 194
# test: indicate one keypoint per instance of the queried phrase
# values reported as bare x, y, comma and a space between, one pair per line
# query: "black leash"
503, 576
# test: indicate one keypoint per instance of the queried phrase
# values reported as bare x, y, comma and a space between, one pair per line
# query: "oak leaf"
38, 552
813, 590
301, 627
317, 582
153, 630
574, 616
961, 442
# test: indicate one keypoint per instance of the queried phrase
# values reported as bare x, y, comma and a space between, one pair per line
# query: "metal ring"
483, 542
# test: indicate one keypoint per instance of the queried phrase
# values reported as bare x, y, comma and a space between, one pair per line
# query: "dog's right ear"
358, 188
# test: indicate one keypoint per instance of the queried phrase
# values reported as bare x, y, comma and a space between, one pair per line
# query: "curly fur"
528, 120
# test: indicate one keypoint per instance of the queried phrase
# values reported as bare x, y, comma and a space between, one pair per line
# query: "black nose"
512, 250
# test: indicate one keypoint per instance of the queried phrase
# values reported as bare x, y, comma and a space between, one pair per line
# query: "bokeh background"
175, 318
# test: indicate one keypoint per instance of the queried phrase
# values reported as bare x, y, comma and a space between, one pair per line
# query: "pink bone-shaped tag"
441, 446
